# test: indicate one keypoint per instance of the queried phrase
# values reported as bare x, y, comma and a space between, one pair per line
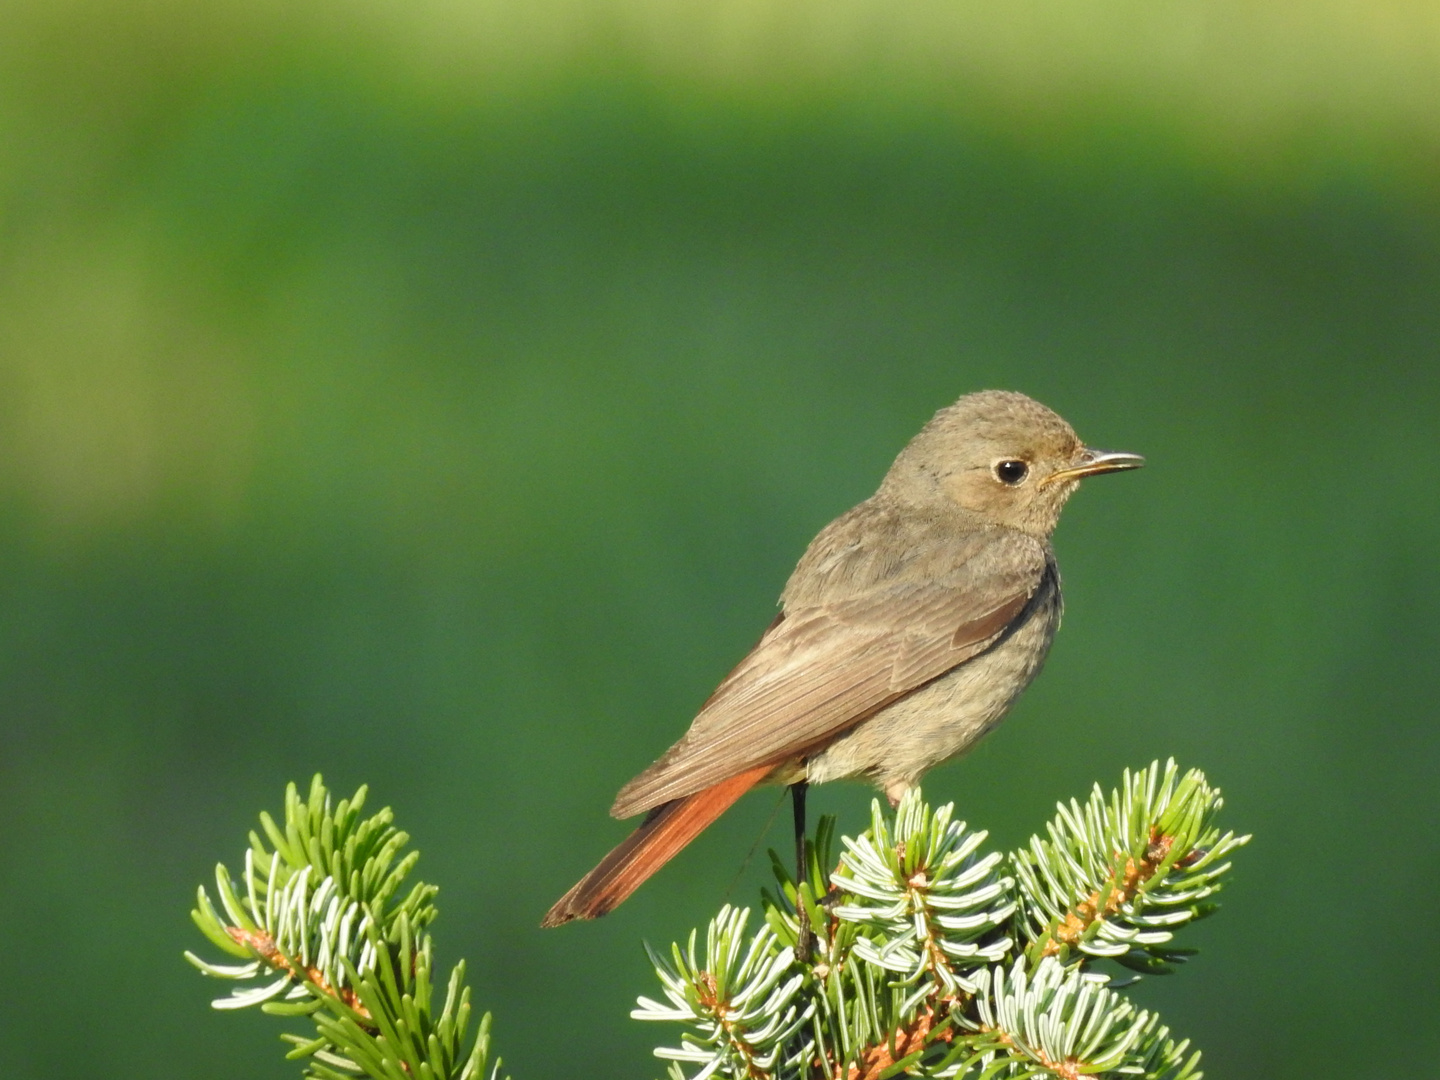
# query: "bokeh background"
437, 394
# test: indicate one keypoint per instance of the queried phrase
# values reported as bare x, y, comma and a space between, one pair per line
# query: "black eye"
1011, 472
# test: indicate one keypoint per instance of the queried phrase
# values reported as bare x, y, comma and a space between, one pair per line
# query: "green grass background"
437, 395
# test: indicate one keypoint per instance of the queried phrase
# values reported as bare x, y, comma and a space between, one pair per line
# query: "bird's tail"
667, 829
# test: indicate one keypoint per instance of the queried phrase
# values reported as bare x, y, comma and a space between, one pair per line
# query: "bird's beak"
1093, 462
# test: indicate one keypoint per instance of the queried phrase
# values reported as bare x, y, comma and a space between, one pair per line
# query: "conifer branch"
934, 958
316, 920
1118, 876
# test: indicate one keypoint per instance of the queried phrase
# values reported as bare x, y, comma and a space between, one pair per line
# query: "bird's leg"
805, 939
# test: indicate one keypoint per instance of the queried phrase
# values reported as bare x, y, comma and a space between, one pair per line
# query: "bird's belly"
943, 718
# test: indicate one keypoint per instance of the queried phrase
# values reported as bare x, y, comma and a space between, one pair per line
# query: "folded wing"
824, 667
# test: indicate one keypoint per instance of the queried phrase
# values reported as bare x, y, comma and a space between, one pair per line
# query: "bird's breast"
948, 715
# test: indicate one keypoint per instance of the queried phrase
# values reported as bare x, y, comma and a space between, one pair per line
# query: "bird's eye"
1011, 472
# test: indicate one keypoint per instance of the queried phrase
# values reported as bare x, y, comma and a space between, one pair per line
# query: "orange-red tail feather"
666, 830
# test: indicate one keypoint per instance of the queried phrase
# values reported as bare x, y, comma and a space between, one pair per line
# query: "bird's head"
1002, 456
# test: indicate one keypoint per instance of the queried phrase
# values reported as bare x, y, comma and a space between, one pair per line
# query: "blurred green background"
437, 395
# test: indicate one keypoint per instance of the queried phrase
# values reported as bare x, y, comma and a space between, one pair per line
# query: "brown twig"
263, 945
876, 1059
708, 997
1124, 884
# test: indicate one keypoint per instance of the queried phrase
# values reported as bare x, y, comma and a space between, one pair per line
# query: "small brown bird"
910, 625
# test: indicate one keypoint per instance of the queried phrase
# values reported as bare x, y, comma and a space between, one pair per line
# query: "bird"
908, 628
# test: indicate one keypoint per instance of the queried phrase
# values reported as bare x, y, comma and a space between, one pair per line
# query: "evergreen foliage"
932, 957
320, 932
935, 959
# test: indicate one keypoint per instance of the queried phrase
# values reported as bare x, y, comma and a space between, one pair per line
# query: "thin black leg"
806, 938
797, 797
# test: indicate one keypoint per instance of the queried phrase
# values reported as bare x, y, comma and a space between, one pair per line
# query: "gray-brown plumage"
909, 626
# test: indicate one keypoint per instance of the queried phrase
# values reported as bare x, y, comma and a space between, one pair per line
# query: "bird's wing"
822, 668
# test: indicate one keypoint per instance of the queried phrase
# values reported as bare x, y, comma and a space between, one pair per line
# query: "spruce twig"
932, 957
936, 959
316, 920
